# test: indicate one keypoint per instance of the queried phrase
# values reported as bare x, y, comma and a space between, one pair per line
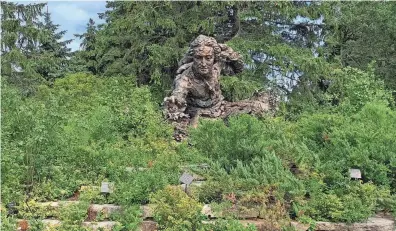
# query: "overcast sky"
73, 16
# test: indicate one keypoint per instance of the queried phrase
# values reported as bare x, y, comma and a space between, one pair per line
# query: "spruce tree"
52, 55
88, 45
20, 38
147, 39
354, 39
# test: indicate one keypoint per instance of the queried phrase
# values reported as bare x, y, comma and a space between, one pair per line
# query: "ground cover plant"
72, 120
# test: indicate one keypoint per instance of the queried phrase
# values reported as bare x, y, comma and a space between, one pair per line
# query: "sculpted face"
203, 60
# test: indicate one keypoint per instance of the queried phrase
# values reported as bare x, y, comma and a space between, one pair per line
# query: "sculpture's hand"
228, 54
232, 62
174, 100
175, 107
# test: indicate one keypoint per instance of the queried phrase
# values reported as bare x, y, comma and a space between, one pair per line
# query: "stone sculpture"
196, 91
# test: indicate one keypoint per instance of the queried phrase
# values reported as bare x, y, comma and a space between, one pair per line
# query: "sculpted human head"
205, 52
203, 60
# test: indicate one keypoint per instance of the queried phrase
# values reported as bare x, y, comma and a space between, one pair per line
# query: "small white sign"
355, 173
106, 187
186, 178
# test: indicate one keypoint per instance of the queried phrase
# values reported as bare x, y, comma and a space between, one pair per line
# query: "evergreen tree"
52, 54
146, 39
354, 39
279, 40
88, 45
20, 38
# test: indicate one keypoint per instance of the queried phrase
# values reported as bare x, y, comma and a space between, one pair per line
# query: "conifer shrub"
175, 210
307, 159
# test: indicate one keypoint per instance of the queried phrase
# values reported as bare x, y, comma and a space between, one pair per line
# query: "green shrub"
175, 211
129, 218
228, 225
78, 132
356, 203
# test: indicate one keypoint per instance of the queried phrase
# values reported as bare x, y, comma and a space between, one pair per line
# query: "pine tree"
20, 38
355, 40
88, 45
52, 54
147, 39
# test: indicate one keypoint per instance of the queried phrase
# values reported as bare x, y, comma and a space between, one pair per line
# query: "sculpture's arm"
231, 61
180, 90
176, 104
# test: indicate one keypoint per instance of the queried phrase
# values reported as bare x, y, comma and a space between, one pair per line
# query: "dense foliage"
73, 119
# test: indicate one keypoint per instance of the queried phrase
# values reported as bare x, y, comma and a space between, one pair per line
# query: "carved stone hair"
203, 40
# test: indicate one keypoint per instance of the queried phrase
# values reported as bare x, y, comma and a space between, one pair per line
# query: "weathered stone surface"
242, 213
198, 177
57, 204
200, 166
261, 225
51, 224
207, 211
247, 213
147, 211
372, 224
107, 209
299, 226
186, 178
148, 226
103, 225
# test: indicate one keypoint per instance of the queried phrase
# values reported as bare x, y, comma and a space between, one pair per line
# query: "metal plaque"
355, 173
186, 178
106, 187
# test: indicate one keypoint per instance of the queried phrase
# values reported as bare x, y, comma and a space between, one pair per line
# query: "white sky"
72, 16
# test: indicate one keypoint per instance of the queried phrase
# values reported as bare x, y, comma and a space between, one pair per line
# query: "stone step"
372, 224
102, 225
106, 225
246, 213
199, 166
147, 211
56, 204
95, 207
148, 226
106, 209
252, 215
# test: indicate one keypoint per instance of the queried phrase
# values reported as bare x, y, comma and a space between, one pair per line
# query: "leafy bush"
174, 210
354, 88
229, 225
79, 132
129, 218
320, 148
235, 89
355, 204
243, 138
